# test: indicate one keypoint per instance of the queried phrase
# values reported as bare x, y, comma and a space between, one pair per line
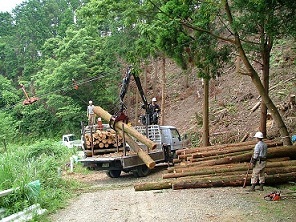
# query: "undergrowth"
37, 163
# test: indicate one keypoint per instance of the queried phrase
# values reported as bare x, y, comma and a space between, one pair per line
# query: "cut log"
152, 186
274, 152
212, 157
231, 181
227, 150
271, 168
225, 146
129, 130
150, 163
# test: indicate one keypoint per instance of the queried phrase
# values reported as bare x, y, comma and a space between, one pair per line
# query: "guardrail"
29, 212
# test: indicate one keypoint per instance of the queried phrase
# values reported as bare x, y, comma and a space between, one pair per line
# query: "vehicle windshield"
71, 138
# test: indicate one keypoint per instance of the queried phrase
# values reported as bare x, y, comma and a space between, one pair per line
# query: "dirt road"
115, 200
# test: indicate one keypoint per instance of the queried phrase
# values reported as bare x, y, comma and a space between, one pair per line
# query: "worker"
154, 110
90, 113
258, 162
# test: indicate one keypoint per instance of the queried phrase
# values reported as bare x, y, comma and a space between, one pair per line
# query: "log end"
151, 165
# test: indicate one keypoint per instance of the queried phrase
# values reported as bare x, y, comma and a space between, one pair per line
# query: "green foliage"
40, 161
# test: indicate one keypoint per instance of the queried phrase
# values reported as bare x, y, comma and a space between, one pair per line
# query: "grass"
20, 165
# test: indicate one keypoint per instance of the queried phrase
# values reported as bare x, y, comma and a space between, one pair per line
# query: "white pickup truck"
69, 141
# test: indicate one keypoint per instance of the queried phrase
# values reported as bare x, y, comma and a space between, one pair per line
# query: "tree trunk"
136, 109
155, 77
257, 82
205, 127
163, 83
265, 54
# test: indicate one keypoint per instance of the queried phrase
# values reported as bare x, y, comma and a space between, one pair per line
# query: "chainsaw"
273, 196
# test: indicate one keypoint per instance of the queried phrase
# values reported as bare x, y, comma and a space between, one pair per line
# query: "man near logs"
258, 162
90, 113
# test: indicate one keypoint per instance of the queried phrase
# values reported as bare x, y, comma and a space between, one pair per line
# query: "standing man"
258, 162
154, 110
90, 114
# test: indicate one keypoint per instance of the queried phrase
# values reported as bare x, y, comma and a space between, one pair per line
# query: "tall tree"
250, 27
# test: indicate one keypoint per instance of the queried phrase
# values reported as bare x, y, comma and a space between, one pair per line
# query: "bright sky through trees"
8, 5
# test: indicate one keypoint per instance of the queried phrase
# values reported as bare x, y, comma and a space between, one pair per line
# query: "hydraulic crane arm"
124, 87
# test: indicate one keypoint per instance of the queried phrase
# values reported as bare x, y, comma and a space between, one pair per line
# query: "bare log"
245, 137
274, 152
150, 163
152, 186
225, 147
129, 130
231, 181
272, 167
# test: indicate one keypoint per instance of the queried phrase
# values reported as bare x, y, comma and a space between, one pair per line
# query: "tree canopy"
71, 51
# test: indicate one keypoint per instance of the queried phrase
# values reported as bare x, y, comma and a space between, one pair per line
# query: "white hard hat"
259, 135
153, 99
90, 102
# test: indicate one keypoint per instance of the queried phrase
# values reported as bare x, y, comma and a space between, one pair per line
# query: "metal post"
91, 142
123, 135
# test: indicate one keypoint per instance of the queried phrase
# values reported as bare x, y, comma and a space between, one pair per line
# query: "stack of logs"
103, 141
225, 165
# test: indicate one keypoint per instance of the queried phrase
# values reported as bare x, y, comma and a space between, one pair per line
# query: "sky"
8, 5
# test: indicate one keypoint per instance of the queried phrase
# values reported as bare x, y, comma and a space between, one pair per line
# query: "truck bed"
116, 162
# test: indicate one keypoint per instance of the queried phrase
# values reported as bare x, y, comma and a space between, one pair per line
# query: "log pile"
129, 134
225, 165
103, 141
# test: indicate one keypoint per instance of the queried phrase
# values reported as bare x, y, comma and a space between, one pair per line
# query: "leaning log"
150, 163
129, 130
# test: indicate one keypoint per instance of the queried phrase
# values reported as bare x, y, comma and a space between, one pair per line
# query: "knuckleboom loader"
118, 147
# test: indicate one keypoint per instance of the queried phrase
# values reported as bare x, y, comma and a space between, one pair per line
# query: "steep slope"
232, 98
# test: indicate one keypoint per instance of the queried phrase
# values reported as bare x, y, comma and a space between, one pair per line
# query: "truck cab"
170, 137
69, 141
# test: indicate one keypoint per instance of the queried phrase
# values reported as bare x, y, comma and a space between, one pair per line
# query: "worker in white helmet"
258, 162
154, 110
90, 113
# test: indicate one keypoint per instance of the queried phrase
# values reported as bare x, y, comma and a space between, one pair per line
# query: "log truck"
117, 146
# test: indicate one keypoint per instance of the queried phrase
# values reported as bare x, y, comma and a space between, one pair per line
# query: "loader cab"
171, 137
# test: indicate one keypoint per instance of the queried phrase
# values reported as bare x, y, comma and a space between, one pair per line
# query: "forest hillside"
232, 98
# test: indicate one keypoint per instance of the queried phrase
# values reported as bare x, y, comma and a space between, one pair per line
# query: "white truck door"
176, 142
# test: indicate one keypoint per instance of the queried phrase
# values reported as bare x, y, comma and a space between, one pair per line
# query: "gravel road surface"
115, 200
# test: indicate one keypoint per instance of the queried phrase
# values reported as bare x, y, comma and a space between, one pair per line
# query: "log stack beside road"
225, 165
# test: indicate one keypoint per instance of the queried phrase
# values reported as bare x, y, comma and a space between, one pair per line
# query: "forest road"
116, 200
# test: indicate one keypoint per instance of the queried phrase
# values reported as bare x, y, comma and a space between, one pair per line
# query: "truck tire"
143, 171
114, 173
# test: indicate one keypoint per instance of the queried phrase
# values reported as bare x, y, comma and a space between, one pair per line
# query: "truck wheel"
143, 171
114, 173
